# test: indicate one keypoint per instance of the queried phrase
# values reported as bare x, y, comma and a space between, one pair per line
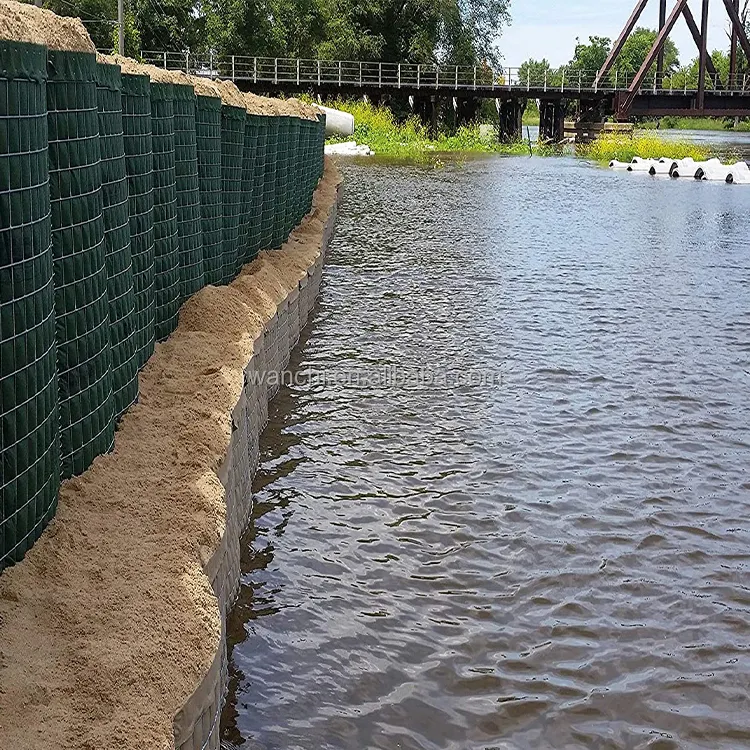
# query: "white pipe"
338, 122
641, 165
716, 172
614, 164
739, 174
683, 167
663, 166
695, 168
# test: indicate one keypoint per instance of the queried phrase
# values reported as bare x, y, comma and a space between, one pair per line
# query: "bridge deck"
266, 73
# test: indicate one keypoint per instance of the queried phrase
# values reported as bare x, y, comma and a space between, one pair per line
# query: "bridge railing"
332, 74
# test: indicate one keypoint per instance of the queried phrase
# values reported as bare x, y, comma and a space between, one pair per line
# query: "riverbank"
377, 128
112, 628
707, 124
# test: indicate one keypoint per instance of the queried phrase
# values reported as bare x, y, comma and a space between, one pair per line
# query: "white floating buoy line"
711, 170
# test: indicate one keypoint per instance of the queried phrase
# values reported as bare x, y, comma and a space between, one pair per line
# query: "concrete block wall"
196, 725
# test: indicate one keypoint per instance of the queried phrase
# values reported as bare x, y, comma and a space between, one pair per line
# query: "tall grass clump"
645, 145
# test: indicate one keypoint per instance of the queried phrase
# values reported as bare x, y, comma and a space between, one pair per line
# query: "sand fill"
204, 87
260, 105
110, 623
230, 94
21, 22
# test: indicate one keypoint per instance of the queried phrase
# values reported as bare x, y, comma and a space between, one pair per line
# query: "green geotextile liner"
208, 138
87, 425
117, 239
189, 225
166, 245
282, 188
250, 214
294, 187
29, 417
256, 215
269, 183
139, 165
232, 148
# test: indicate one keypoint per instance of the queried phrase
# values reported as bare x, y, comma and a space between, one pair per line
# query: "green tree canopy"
591, 56
636, 48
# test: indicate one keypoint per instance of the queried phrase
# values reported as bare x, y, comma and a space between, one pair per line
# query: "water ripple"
552, 557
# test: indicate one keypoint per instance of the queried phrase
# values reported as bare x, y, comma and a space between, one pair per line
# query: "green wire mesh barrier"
256, 209
304, 165
293, 193
139, 166
189, 225
249, 155
29, 418
119, 198
281, 196
208, 140
117, 240
166, 246
232, 147
80, 275
269, 183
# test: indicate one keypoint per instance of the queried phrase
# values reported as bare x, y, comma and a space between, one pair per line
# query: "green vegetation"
462, 32
645, 145
696, 123
378, 128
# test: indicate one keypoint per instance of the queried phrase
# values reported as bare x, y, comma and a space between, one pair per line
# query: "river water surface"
505, 504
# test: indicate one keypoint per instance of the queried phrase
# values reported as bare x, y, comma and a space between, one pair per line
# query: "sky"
548, 28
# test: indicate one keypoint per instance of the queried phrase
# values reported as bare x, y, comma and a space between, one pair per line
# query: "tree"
590, 57
98, 16
636, 49
538, 72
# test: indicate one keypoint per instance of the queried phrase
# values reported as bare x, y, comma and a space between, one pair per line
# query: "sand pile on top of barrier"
260, 105
21, 22
157, 75
110, 623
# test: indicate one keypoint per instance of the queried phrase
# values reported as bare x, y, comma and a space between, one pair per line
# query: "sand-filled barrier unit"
156, 269
124, 190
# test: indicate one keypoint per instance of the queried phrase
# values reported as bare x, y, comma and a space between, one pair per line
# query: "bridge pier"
510, 112
552, 120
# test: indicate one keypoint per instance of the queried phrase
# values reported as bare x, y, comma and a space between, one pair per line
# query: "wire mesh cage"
166, 246
249, 156
232, 147
269, 183
282, 175
81, 303
189, 225
29, 417
117, 255
208, 145
139, 166
256, 210
293, 183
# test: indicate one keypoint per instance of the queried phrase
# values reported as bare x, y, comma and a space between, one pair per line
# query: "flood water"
505, 504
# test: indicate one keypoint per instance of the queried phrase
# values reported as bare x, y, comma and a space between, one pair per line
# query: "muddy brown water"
504, 503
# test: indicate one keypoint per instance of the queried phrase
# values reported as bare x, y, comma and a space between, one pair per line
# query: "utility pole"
121, 26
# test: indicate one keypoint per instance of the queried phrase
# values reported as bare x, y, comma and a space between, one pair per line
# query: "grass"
696, 123
377, 128
645, 145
